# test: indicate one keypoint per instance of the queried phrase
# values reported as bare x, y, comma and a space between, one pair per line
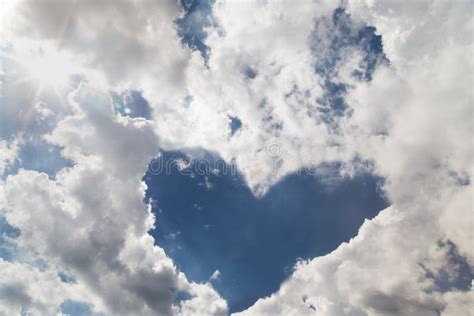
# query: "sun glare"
50, 69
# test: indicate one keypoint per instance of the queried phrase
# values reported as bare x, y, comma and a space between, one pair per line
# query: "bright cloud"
303, 76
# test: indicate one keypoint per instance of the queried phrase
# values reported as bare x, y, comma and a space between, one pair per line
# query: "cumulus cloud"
413, 120
268, 83
24, 288
8, 153
261, 72
274, 71
91, 220
129, 42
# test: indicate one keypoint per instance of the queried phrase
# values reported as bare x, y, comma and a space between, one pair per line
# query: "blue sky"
255, 242
334, 137
214, 222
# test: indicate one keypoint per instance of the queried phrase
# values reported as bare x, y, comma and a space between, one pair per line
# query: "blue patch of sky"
38, 263
131, 103
36, 154
8, 249
456, 274
197, 16
29, 124
250, 72
75, 308
234, 124
209, 221
187, 101
182, 296
331, 39
66, 278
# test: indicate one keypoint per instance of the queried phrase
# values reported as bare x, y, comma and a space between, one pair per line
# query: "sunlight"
50, 69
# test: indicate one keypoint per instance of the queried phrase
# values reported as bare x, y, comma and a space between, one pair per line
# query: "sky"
203, 157
209, 223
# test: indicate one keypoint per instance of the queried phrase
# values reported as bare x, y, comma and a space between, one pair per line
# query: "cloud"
459, 303
269, 83
8, 153
265, 78
216, 275
91, 221
24, 288
411, 121
129, 42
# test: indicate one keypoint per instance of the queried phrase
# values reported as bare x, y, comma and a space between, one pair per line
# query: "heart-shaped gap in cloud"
214, 228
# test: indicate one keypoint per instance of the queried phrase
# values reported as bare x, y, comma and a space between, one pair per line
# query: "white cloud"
136, 44
459, 303
24, 288
216, 275
273, 107
129, 42
91, 221
413, 122
8, 153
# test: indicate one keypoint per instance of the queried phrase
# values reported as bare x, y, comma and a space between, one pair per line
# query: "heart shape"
212, 221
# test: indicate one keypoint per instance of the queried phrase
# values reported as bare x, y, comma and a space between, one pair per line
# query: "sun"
48, 68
